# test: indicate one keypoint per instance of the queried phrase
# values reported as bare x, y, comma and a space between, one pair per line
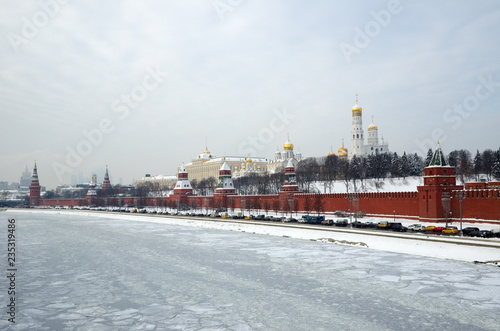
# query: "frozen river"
78, 272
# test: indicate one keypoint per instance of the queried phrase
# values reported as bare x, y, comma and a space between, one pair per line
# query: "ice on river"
87, 272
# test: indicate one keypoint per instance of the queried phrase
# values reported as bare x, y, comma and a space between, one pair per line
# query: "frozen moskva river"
78, 272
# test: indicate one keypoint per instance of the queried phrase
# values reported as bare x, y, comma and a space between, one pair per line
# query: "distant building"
4, 186
164, 181
207, 166
25, 181
482, 185
281, 158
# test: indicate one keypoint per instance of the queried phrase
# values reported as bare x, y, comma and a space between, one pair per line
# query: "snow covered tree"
452, 158
478, 165
496, 165
307, 173
395, 165
404, 170
355, 172
416, 164
464, 165
428, 157
488, 161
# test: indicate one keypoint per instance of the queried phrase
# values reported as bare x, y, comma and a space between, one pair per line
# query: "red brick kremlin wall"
477, 204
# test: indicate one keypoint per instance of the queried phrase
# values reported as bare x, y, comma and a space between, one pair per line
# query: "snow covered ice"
80, 271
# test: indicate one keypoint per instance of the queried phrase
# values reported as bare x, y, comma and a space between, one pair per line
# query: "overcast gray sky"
142, 85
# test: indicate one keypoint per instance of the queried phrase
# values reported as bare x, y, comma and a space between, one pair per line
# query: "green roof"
438, 159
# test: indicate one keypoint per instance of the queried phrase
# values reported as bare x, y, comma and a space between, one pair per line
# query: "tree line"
325, 171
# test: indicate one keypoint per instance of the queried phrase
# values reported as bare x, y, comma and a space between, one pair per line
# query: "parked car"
416, 227
398, 227
342, 222
327, 222
467, 231
482, 234
438, 229
429, 227
358, 224
383, 225
496, 233
451, 230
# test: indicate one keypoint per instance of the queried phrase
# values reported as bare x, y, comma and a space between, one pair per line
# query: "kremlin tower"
106, 184
439, 182
290, 184
183, 186
225, 185
92, 193
34, 188
289, 188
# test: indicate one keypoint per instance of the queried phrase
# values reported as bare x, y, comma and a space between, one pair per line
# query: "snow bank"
454, 248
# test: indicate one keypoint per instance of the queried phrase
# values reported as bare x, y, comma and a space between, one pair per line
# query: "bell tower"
357, 140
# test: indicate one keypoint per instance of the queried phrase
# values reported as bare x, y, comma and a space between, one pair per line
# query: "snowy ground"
88, 271
408, 184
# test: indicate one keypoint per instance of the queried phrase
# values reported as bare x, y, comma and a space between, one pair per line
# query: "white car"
416, 227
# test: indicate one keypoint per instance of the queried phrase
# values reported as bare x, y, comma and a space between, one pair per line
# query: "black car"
341, 222
467, 231
398, 227
482, 234
358, 224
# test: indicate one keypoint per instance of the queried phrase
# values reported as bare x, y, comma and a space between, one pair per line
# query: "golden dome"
249, 160
288, 146
373, 127
342, 150
356, 109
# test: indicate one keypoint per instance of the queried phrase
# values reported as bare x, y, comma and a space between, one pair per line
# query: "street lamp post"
394, 216
461, 197
445, 201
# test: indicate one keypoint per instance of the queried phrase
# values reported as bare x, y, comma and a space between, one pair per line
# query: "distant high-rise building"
25, 179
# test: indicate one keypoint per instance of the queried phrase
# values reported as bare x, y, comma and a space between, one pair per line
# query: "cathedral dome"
288, 146
373, 127
342, 152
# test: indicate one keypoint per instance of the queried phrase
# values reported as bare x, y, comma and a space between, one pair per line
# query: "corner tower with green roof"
439, 181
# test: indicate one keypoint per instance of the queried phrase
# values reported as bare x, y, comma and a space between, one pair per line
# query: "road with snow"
109, 272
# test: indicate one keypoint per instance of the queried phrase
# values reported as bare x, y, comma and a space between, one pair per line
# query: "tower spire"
35, 188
